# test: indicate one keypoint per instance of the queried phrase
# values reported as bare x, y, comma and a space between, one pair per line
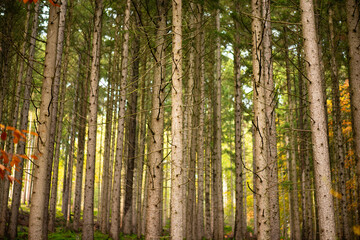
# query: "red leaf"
16, 140
54, 4
3, 136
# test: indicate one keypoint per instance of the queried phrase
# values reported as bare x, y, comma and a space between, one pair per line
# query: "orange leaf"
34, 157
24, 156
34, 133
17, 181
3, 136
15, 140
15, 161
25, 131
20, 134
5, 156
10, 128
11, 178
2, 167
2, 126
54, 4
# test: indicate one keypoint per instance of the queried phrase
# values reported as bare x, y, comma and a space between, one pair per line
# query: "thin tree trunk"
339, 142
129, 208
352, 10
318, 125
88, 226
40, 169
238, 228
115, 204
294, 204
12, 231
177, 198
217, 178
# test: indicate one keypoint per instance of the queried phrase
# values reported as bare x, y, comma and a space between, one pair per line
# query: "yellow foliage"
356, 229
335, 194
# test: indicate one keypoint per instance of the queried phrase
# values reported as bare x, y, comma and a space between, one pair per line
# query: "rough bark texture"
177, 198
155, 157
40, 169
271, 101
238, 231
318, 125
115, 204
259, 124
352, 10
88, 226
218, 184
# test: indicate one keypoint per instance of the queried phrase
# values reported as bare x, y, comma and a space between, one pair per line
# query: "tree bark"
177, 198
40, 169
318, 125
352, 10
155, 157
238, 228
88, 226
115, 204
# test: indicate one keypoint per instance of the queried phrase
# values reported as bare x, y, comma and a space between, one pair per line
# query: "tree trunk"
155, 157
129, 209
352, 10
259, 123
40, 169
217, 178
238, 228
177, 198
115, 204
88, 226
338, 136
318, 125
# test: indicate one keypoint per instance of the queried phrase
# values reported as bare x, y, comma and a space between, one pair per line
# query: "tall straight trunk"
294, 204
177, 198
307, 206
238, 228
12, 229
58, 121
129, 208
64, 194
54, 109
338, 136
88, 226
200, 67
115, 204
271, 101
106, 180
192, 132
155, 157
352, 10
40, 169
218, 185
318, 125
259, 124
71, 153
208, 200
141, 149
81, 144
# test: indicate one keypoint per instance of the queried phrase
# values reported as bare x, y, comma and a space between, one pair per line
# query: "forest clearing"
172, 119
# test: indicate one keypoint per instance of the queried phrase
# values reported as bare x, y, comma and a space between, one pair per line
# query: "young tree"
318, 125
88, 226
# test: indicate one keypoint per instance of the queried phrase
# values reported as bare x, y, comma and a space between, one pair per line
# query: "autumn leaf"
19, 134
2, 126
11, 178
2, 167
24, 156
10, 128
15, 161
17, 180
5, 156
34, 157
356, 229
336, 194
3, 136
54, 4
